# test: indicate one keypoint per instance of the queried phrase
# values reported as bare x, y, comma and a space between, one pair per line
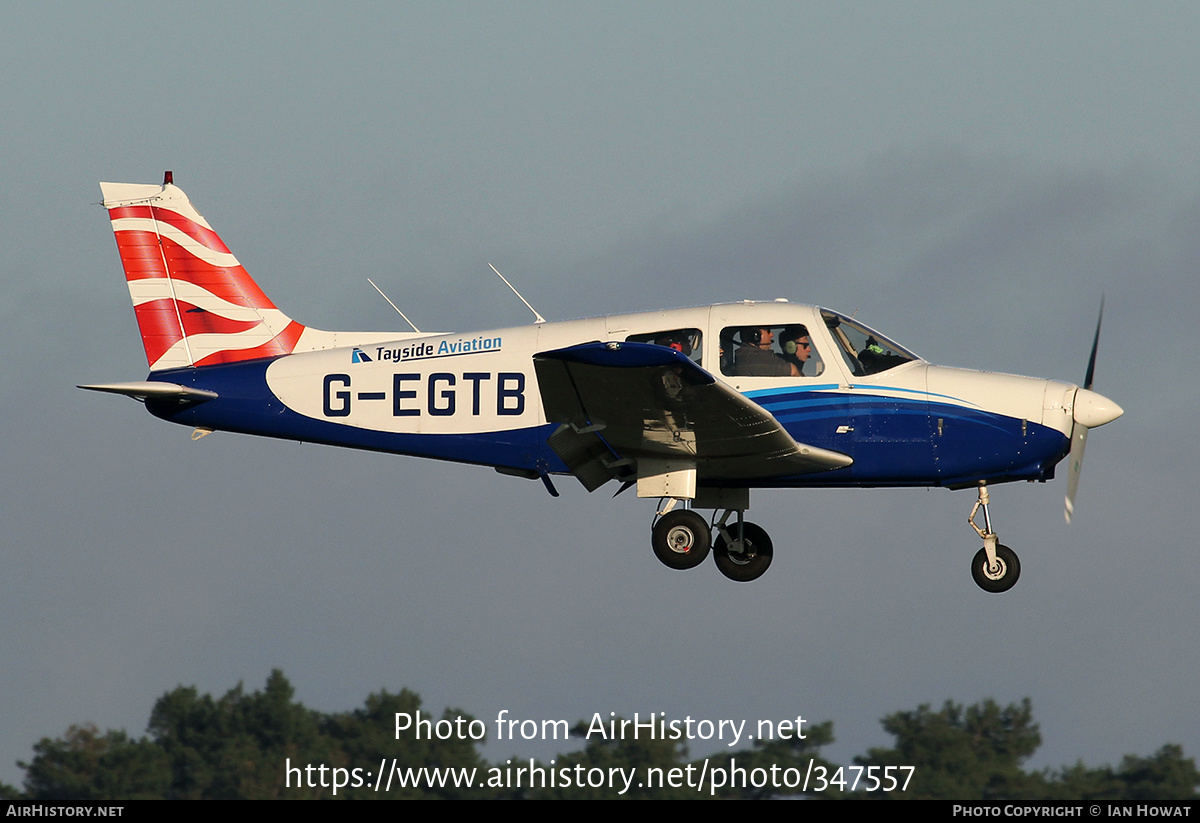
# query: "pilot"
796, 345
755, 358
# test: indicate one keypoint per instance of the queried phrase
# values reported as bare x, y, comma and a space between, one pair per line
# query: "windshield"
865, 350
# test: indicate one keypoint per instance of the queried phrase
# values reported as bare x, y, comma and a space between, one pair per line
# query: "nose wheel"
995, 567
999, 576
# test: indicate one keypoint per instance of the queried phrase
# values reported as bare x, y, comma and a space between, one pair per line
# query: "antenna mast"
540, 319
393, 305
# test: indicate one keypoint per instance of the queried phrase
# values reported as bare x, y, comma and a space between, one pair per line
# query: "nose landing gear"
995, 567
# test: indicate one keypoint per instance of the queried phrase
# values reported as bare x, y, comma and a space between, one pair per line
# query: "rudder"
195, 303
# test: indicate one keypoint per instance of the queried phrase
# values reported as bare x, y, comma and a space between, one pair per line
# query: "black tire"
752, 561
681, 539
1000, 580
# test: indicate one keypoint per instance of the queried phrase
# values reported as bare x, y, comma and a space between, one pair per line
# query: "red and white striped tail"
195, 304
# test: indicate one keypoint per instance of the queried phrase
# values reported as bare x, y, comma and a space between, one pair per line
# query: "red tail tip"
168, 178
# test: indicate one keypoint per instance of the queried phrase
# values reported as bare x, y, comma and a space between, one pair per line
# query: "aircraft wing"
637, 400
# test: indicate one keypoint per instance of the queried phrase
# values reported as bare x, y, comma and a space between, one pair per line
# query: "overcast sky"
970, 178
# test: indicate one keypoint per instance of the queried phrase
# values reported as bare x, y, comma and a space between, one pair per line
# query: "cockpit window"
687, 341
864, 350
769, 351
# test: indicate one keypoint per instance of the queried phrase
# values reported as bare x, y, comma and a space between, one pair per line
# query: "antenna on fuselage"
393, 305
540, 319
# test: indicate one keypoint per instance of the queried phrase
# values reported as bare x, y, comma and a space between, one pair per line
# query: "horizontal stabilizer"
140, 390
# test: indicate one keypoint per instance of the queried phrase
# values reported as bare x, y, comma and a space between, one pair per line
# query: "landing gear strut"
995, 567
682, 539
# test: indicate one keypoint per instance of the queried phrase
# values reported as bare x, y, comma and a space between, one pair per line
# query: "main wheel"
681, 539
747, 561
1001, 577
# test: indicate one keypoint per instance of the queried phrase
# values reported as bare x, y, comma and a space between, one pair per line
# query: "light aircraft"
692, 406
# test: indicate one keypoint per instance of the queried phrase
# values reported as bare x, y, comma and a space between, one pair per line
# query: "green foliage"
235, 747
366, 737
238, 747
971, 753
794, 753
1165, 775
975, 753
257, 745
625, 753
85, 765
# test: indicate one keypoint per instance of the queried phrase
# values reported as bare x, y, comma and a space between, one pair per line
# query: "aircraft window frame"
687, 341
731, 337
865, 351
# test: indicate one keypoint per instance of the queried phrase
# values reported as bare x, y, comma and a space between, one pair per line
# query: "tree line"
236, 747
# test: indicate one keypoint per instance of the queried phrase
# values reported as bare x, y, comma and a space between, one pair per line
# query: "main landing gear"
683, 538
995, 566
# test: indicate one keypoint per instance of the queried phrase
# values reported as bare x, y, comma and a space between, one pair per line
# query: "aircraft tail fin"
195, 304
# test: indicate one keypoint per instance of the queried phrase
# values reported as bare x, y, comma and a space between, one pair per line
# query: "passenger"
678, 341
755, 358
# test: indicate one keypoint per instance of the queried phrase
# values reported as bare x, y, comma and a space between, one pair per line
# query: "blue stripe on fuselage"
896, 440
